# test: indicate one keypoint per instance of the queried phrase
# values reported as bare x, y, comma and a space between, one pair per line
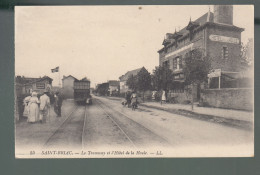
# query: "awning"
231, 75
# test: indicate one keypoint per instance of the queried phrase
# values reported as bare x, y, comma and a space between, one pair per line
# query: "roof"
127, 74
207, 17
113, 83
85, 79
64, 77
200, 21
29, 80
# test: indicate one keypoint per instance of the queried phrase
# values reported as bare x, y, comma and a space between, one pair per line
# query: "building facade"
67, 86
215, 35
123, 87
28, 85
113, 87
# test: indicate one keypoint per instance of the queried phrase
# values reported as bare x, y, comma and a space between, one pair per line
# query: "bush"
186, 102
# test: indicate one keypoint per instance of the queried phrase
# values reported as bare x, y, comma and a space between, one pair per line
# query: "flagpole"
59, 78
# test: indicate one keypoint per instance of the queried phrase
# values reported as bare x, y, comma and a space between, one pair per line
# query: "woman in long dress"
33, 108
26, 106
163, 100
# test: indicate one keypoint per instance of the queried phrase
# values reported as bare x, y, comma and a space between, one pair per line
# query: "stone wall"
232, 98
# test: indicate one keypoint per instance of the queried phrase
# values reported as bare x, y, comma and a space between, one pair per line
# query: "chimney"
223, 14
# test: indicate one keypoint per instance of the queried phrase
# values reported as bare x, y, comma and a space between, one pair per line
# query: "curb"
241, 124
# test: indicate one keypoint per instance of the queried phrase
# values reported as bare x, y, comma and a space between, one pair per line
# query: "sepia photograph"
134, 81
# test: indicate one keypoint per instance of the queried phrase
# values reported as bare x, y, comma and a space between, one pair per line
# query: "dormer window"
191, 26
165, 50
176, 36
168, 39
191, 35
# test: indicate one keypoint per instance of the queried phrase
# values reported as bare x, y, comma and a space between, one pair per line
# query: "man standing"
58, 104
44, 106
128, 98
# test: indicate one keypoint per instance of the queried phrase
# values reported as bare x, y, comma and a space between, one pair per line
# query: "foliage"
196, 67
102, 89
162, 78
246, 53
143, 80
132, 82
140, 82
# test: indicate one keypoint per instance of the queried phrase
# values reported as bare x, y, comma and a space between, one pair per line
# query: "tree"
103, 89
162, 78
143, 81
132, 82
196, 68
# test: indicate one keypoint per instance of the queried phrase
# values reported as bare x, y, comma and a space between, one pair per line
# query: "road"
107, 125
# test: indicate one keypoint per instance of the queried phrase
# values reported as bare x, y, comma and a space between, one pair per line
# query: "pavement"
38, 133
237, 118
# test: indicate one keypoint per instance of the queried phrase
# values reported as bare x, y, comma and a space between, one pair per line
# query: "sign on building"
224, 39
215, 73
40, 85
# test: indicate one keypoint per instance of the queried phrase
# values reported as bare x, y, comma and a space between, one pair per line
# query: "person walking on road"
26, 106
134, 100
128, 98
163, 100
57, 104
33, 108
44, 107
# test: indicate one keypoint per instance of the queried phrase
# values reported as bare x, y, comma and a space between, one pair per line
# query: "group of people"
131, 99
38, 109
163, 97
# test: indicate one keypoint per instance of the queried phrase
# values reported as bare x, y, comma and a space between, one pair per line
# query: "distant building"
85, 79
113, 87
123, 87
67, 86
91, 90
25, 85
217, 37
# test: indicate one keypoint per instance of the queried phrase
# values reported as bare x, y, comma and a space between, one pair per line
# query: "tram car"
82, 92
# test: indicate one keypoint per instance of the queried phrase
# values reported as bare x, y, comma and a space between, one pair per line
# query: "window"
166, 63
225, 52
177, 63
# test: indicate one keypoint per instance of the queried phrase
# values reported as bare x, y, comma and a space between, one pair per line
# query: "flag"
55, 69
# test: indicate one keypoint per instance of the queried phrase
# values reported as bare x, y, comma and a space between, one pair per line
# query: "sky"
101, 42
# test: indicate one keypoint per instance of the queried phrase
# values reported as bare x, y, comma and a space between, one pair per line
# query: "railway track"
65, 124
72, 132
111, 118
58, 134
153, 136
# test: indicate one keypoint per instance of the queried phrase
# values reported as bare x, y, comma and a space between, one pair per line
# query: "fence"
229, 98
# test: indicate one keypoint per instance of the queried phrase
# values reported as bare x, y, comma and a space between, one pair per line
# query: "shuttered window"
225, 52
